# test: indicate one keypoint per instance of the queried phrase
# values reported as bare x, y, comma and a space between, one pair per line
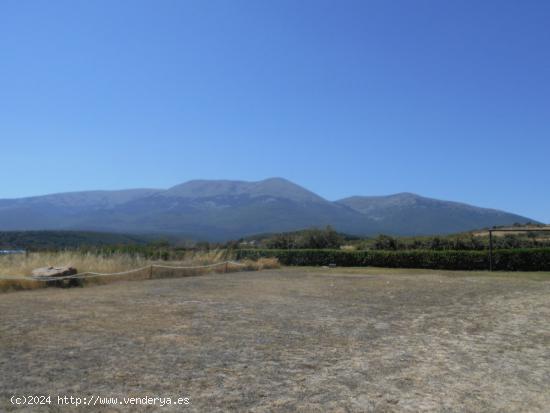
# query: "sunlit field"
289, 340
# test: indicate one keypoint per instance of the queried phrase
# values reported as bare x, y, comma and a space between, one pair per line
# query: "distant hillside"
222, 210
411, 214
53, 240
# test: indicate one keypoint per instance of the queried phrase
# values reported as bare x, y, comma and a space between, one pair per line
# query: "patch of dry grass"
18, 285
261, 264
206, 257
22, 265
520, 275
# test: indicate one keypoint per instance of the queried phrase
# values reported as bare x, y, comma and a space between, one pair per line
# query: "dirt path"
285, 340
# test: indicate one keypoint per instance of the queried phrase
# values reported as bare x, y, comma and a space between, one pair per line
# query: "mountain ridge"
225, 209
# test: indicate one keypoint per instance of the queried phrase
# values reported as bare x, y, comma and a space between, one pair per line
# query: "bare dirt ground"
286, 340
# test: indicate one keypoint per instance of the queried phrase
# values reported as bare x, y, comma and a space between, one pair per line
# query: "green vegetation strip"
504, 260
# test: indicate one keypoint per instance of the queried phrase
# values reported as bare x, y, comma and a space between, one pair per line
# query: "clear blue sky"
445, 99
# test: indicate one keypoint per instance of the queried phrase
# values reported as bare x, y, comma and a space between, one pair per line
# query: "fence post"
151, 272
490, 250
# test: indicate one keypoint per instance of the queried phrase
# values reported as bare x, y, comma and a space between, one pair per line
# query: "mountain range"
223, 209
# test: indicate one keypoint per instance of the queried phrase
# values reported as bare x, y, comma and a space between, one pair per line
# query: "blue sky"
445, 99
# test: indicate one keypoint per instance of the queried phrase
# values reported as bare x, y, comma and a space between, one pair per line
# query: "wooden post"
151, 272
490, 250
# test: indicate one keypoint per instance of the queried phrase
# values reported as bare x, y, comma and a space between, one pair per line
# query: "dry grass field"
21, 264
294, 339
16, 270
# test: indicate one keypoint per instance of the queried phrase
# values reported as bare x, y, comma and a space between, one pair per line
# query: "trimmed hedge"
504, 260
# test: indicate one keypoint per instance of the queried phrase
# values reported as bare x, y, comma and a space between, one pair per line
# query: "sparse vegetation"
310, 238
22, 265
329, 239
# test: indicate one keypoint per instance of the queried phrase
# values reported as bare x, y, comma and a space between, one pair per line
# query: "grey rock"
54, 271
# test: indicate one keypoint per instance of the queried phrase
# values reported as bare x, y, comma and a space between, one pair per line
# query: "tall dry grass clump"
268, 263
20, 264
205, 257
261, 264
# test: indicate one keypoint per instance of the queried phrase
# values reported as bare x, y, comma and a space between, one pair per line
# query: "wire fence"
147, 272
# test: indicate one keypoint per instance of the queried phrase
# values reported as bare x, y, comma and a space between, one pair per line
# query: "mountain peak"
273, 187
406, 195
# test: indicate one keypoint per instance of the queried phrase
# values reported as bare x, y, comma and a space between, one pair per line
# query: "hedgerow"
505, 260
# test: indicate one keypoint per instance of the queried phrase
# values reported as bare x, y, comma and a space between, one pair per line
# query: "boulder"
54, 271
